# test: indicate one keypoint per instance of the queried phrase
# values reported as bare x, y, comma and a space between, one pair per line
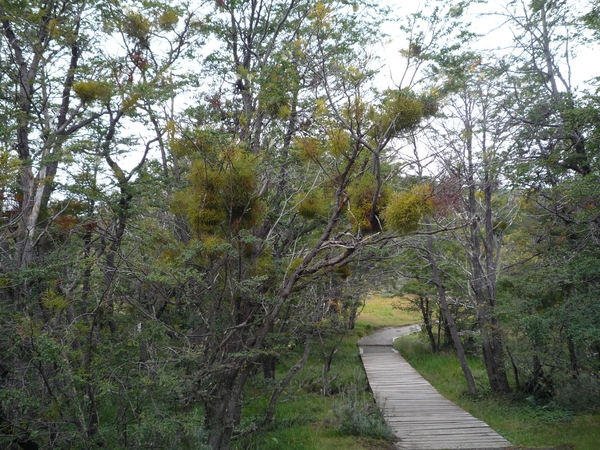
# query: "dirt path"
420, 416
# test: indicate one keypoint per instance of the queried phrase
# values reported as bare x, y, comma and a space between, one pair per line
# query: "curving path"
420, 416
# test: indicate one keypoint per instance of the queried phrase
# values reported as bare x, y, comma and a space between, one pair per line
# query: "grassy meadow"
384, 311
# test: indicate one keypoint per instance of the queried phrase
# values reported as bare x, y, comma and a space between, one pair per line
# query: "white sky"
486, 19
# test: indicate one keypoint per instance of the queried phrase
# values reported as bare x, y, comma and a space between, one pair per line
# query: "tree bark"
437, 280
223, 411
483, 277
426, 313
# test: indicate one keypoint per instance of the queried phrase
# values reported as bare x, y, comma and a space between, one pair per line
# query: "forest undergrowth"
347, 418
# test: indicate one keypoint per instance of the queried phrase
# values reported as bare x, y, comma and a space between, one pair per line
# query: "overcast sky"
489, 20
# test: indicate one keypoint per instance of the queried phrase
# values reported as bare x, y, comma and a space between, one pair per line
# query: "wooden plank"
420, 416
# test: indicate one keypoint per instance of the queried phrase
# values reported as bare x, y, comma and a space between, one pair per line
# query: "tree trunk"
353, 312
270, 411
448, 339
515, 369
439, 329
493, 357
426, 313
222, 411
436, 278
573, 357
483, 277
268, 367
327, 360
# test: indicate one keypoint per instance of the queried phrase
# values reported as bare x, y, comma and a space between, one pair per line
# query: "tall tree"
474, 138
285, 182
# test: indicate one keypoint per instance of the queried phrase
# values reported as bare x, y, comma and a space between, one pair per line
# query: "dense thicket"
189, 192
157, 257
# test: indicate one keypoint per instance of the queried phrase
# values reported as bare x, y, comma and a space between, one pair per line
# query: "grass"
307, 422
312, 437
304, 419
521, 421
379, 311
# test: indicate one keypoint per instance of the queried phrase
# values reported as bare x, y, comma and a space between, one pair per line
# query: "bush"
578, 395
358, 416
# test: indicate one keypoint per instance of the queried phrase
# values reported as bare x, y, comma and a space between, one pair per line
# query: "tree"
473, 137
557, 145
69, 104
285, 185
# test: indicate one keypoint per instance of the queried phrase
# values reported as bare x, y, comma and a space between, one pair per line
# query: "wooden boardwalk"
421, 418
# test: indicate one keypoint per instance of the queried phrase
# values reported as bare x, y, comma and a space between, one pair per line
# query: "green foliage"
555, 315
92, 90
130, 102
277, 85
338, 142
82, 350
366, 203
53, 301
358, 416
137, 27
311, 204
214, 246
206, 211
579, 395
198, 143
592, 19
168, 20
265, 264
223, 197
129, 323
400, 112
357, 110
309, 148
9, 167
407, 208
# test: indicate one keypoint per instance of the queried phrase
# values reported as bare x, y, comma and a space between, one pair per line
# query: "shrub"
578, 395
357, 416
